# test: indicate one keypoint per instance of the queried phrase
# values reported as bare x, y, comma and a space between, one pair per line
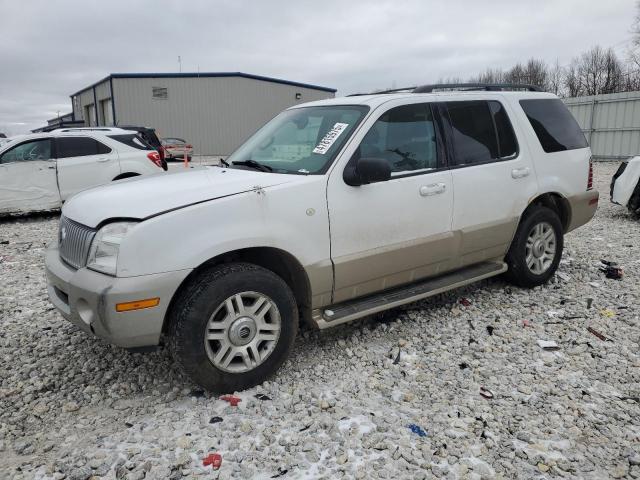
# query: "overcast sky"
50, 49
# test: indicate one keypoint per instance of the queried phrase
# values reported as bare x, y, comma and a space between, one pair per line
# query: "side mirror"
367, 170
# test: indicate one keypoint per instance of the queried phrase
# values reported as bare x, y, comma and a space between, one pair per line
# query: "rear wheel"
536, 248
233, 326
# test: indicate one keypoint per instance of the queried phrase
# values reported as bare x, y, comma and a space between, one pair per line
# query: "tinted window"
405, 137
34, 150
474, 136
554, 125
132, 140
79, 147
507, 144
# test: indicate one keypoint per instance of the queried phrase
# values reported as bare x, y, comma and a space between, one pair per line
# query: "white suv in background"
334, 210
40, 171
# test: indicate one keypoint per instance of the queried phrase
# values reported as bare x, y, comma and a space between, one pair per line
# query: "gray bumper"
88, 299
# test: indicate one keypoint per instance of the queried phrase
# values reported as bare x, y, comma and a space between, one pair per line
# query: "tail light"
590, 177
155, 158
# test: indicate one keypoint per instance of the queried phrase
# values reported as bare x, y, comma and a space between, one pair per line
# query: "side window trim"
515, 136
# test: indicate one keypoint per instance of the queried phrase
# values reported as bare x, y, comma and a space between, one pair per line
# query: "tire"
538, 270
209, 294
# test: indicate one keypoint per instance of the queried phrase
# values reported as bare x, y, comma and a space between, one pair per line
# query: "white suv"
334, 210
40, 171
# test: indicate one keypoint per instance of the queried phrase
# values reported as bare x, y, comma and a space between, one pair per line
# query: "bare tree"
555, 77
599, 71
534, 72
572, 83
490, 75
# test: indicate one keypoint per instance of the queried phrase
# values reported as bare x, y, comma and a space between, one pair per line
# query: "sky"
51, 49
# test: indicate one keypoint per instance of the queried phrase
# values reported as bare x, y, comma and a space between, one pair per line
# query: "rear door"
493, 178
28, 177
84, 162
397, 231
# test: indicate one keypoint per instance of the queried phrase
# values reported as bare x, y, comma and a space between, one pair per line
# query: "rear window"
554, 125
132, 140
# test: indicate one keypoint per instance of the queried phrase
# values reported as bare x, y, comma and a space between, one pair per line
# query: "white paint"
627, 182
43, 183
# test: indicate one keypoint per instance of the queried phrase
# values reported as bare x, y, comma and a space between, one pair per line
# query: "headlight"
103, 254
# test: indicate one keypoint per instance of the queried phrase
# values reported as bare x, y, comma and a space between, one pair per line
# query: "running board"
361, 307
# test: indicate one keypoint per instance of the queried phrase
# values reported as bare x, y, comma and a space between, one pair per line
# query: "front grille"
74, 241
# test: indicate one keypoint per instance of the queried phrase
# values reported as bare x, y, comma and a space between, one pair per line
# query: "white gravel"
74, 407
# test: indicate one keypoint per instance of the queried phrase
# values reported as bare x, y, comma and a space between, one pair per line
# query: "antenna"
180, 63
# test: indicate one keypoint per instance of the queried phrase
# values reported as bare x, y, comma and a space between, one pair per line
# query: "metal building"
611, 123
215, 112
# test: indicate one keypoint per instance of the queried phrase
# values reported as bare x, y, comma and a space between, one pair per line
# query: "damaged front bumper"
88, 299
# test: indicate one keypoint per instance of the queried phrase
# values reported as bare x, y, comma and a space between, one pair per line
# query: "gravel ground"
74, 407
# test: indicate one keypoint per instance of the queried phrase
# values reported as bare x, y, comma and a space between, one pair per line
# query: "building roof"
206, 75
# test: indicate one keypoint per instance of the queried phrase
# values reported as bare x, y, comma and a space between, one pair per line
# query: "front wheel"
536, 248
233, 326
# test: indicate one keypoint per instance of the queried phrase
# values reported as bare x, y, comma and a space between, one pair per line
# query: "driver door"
397, 231
28, 180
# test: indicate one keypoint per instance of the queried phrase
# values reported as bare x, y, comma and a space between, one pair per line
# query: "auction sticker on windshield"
330, 137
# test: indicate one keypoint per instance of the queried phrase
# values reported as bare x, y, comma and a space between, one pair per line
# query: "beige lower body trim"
583, 208
379, 269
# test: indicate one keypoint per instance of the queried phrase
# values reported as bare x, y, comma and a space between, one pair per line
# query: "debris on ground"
490, 329
526, 323
281, 472
262, 396
597, 334
589, 302
465, 302
417, 429
611, 270
231, 399
486, 393
548, 345
607, 313
213, 459
215, 419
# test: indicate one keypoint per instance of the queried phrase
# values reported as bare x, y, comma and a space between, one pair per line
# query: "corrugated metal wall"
610, 122
215, 114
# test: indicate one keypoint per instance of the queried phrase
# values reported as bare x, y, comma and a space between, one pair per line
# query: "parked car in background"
40, 171
625, 185
334, 210
176, 148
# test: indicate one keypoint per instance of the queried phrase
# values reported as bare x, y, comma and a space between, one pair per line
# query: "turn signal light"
137, 304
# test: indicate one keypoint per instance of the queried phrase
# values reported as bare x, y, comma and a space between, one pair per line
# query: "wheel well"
283, 264
555, 202
126, 175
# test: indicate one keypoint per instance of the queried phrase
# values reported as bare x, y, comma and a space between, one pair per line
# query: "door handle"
520, 172
103, 159
433, 189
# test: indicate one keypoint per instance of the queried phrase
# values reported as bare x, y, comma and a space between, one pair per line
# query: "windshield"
302, 140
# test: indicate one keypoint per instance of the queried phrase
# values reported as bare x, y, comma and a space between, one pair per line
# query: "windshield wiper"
254, 164
224, 162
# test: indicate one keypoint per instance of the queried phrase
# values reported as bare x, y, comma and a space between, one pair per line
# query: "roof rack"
489, 87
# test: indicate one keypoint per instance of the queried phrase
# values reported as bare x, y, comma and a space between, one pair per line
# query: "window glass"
554, 125
33, 150
132, 140
79, 147
474, 137
405, 137
507, 143
301, 140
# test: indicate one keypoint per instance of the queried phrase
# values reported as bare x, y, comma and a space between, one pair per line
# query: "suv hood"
142, 197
